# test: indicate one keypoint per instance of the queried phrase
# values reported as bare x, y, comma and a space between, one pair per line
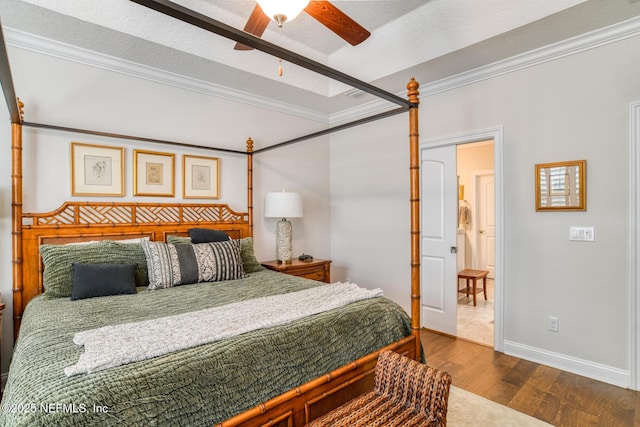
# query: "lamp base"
283, 241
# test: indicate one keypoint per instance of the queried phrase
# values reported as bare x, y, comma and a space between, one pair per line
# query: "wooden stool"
474, 275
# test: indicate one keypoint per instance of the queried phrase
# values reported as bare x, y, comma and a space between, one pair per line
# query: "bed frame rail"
309, 401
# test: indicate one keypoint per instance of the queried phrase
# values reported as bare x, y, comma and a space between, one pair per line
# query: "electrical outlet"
553, 323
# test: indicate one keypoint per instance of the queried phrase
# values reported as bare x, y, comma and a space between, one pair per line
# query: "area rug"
469, 410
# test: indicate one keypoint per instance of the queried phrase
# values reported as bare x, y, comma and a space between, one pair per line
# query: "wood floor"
549, 394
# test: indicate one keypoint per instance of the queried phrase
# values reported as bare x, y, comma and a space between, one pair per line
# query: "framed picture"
561, 186
200, 177
97, 170
153, 173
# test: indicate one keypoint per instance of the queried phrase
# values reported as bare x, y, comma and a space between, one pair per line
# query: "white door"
439, 211
486, 224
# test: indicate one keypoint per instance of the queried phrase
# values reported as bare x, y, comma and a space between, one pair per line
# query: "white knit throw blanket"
117, 345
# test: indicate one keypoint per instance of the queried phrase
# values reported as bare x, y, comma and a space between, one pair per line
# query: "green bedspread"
194, 387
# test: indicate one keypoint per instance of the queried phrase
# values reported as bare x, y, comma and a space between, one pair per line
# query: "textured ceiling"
405, 33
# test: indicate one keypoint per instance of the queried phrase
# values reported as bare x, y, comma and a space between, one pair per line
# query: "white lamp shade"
287, 8
282, 205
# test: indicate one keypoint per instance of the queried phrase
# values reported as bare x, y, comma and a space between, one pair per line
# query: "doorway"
476, 234
475, 179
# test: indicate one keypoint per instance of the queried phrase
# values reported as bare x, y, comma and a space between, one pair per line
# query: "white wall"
572, 108
66, 93
47, 165
74, 94
370, 218
302, 168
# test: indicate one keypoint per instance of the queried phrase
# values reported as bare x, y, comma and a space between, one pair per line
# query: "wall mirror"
561, 186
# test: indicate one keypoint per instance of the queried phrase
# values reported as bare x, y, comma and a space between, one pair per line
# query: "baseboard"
597, 371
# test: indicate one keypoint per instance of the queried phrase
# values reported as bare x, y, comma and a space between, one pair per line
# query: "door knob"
482, 231
454, 249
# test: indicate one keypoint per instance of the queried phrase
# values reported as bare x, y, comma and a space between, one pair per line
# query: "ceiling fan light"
282, 10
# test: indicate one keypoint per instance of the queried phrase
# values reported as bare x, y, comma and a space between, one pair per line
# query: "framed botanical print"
561, 186
200, 177
153, 173
97, 170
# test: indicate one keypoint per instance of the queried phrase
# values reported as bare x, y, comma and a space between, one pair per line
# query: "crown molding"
571, 46
587, 41
584, 42
22, 40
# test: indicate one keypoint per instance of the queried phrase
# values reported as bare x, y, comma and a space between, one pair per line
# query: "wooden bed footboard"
309, 401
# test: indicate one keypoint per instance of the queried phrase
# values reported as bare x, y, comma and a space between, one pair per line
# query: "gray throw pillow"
207, 235
99, 280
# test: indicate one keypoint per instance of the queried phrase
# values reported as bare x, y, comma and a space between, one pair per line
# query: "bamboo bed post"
414, 173
16, 219
250, 183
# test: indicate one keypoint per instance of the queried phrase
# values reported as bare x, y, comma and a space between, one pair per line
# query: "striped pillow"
170, 265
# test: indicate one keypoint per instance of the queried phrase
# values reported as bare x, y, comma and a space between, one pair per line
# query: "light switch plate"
582, 234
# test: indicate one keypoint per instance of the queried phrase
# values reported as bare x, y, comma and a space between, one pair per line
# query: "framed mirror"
561, 186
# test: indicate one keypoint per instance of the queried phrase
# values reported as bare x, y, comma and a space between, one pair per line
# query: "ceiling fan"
322, 10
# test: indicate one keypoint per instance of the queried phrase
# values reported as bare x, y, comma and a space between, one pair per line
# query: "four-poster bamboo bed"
95, 221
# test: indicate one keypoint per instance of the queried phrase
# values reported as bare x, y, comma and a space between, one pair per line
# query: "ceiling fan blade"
337, 21
256, 25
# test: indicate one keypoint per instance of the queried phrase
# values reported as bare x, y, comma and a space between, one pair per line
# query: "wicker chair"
406, 393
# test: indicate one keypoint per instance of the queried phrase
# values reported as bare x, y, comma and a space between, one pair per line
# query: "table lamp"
283, 205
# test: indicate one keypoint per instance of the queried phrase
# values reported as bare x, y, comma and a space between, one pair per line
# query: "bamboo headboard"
82, 221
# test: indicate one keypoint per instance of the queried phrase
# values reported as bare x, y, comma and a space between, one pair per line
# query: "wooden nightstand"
318, 269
